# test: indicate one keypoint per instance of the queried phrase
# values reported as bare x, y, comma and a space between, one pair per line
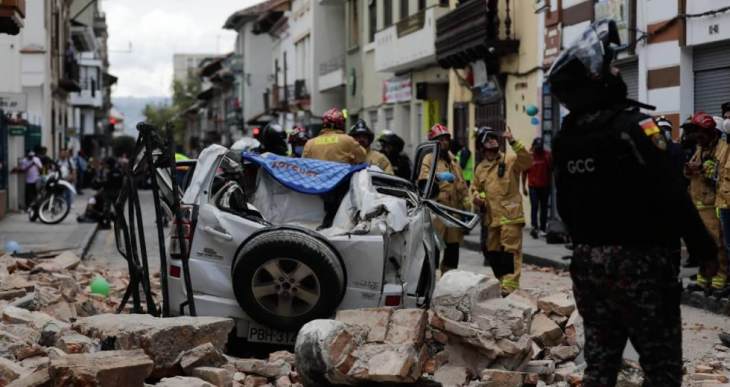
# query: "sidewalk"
36, 236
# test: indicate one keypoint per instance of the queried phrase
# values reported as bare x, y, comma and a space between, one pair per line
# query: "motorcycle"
51, 206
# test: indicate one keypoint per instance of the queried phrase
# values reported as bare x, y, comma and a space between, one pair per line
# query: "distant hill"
132, 108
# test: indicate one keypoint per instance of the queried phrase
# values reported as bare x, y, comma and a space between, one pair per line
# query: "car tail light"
174, 271
392, 300
187, 226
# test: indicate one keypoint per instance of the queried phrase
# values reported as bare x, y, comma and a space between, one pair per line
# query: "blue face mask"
298, 150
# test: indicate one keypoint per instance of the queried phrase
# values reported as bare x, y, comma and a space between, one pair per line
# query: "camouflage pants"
629, 293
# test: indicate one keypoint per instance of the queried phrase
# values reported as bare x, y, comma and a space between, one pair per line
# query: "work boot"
534, 233
695, 287
722, 293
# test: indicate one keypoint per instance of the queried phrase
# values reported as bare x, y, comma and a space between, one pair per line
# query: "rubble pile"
54, 332
470, 337
713, 370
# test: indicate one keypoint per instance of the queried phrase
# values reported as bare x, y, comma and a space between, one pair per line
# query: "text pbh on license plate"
261, 334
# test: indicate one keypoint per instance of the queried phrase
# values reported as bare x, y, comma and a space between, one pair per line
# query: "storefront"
711, 65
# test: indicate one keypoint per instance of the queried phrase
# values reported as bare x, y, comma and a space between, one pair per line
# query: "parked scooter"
51, 207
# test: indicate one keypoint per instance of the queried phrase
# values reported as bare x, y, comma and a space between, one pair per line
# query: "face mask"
726, 125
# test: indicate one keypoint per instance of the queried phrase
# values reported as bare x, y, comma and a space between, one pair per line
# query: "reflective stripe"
510, 284
326, 140
517, 146
504, 221
701, 206
702, 281
719, 281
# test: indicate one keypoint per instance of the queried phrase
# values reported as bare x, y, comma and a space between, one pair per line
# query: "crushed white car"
255, 253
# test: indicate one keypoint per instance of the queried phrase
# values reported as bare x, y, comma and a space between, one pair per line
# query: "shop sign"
397, 89
16, 130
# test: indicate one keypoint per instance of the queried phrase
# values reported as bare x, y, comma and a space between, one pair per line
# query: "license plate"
261, 334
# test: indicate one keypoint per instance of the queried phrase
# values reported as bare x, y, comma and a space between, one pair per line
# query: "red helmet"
333, 119
704, 121
437, 131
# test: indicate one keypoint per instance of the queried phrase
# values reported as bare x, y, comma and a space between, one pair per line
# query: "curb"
87, 241
526, 257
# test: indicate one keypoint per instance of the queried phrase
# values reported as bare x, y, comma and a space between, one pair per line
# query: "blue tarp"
308, 176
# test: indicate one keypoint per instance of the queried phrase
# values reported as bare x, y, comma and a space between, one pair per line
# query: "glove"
445, 176
708, 167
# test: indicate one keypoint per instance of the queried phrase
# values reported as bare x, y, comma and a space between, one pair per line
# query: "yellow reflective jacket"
379, 160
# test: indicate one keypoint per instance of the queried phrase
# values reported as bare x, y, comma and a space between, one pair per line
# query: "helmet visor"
588, 49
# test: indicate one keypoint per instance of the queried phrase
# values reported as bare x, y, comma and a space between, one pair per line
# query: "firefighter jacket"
453, 194
379, 160
501, 193
334, 145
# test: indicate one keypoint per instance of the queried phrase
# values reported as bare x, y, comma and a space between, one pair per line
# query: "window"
354, 32
387, 13
421, 5
403, 9
372, 20
373, 114
302, 54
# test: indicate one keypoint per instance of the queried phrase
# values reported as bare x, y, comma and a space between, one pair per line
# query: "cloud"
157, 29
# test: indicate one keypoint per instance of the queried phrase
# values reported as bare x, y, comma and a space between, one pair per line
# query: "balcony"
280, 96
12, 13
87, 98
332, 74
100, 26
69, 81
475, 30
410, 43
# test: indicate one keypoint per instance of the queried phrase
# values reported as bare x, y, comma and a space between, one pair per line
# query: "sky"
156, 29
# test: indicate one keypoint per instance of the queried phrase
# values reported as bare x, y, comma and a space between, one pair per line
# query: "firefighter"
452, 192
495, 192
332, 144
625, 208
702, 171
297, 139
364, 136
273, 139
392, 146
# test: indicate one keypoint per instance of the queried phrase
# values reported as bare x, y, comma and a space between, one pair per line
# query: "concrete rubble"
54, 332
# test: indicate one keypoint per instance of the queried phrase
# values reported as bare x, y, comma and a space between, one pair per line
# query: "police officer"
702, 171
364, 136
496, 194
452, 192
625, 208
332, 144
392, 146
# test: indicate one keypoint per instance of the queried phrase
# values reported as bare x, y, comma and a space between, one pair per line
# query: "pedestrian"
31, 166
81, 165
537, 183
364, 136
332, 144
614, 188
495, 193
46, 162
67, 171
297, 139
702, 171
273, 139
392, 146
722, 200
452, 192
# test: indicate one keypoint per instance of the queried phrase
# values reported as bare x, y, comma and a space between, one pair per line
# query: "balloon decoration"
531, 110
535, 121
100, 286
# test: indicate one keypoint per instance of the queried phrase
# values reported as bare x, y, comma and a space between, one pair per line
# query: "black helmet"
666, 127
581, 78
393, 140
485, 133
273, 139
361, 128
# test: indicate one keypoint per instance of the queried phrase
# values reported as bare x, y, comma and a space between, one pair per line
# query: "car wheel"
286, 278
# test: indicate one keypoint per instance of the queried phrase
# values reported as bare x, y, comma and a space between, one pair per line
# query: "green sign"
16, 130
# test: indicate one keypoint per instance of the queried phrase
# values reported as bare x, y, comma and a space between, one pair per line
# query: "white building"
185, 65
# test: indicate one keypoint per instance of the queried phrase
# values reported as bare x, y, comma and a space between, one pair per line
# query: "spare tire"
285, 278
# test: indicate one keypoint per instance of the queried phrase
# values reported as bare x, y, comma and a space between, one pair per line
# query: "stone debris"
106, 368
219, 377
